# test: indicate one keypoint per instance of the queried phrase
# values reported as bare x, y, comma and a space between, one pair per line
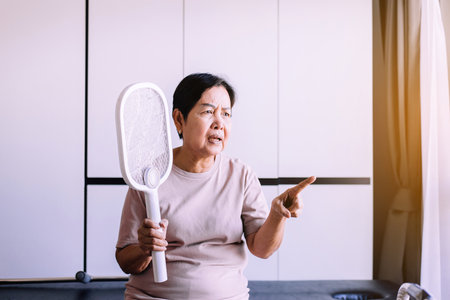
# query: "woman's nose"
218, 122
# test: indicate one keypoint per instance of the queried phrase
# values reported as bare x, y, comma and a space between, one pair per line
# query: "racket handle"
159, 266
158, 257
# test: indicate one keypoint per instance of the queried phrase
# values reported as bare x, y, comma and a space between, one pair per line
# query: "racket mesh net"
145, 133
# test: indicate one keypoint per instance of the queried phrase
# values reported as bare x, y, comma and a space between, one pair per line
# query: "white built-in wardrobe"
303, 75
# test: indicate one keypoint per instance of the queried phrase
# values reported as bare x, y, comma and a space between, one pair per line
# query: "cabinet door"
129, 41
238, 40
332, 239
325, 88
326, 131
104, 212
42, 133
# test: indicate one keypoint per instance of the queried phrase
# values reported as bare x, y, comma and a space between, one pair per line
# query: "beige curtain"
400, 250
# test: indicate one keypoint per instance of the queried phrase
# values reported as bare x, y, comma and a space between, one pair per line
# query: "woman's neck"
187, 161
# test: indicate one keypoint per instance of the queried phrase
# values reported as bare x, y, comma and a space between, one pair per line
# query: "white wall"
302, 71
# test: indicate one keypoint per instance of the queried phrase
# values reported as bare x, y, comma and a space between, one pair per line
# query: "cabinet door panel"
332, 239
238, 40
42, 134
129, 41
104, 212
325, 88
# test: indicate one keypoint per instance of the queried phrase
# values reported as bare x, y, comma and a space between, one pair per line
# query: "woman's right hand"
152, 236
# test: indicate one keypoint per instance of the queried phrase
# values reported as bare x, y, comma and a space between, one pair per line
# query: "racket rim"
123, 159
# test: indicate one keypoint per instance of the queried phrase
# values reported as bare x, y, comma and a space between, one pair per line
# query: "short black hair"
191, 88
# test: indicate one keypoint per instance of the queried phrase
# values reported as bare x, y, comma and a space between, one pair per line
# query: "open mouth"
215, 139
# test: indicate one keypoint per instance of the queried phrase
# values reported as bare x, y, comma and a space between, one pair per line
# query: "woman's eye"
226, 114
209, 112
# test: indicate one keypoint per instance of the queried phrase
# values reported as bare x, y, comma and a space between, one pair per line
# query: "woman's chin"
214, 149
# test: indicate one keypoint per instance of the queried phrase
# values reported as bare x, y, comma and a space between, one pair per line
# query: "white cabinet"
129, 41
325, 88
302, 74
42, 134
238, 40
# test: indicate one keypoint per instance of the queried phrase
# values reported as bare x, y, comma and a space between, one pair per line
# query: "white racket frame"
151, 193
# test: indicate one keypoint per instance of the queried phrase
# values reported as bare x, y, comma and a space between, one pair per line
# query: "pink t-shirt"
208, 213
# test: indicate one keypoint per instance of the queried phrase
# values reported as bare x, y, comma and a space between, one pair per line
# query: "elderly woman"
210, 202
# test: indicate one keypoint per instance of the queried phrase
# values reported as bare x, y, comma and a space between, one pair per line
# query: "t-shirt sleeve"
255, 209
133, 213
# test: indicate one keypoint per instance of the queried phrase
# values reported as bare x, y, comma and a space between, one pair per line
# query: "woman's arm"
135, 258
269, 236
132, 260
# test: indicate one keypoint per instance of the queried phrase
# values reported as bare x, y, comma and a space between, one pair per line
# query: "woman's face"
208, 124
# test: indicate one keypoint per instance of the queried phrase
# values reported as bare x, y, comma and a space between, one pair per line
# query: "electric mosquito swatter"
145, 150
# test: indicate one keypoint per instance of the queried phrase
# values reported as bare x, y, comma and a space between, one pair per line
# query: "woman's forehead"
215, 96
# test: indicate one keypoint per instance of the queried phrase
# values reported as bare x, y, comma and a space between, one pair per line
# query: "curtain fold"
400, 251
435, 115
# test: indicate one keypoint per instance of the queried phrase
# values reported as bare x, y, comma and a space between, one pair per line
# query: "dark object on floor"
82, 277
259, 290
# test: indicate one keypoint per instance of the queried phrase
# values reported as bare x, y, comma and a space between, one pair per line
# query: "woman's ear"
178, 119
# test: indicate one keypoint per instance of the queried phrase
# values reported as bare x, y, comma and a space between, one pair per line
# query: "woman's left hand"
289, 204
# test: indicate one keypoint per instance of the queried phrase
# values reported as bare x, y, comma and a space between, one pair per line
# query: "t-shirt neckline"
199, 175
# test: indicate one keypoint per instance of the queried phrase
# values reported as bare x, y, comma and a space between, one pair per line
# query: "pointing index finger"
302, 185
